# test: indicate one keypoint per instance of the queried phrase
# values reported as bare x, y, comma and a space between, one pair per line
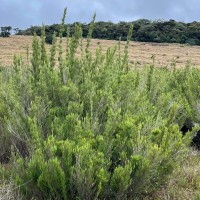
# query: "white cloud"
23, 13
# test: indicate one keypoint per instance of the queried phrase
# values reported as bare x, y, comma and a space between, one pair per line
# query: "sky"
24, 13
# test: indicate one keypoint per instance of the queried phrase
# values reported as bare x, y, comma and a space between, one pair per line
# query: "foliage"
144, 31
94, 127
185, 182
49, 39
5, 31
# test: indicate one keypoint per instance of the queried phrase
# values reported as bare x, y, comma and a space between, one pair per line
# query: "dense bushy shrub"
94, 127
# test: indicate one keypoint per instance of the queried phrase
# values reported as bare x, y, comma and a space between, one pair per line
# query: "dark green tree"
5, 31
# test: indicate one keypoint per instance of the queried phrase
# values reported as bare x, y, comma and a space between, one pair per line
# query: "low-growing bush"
92, 127
49, 39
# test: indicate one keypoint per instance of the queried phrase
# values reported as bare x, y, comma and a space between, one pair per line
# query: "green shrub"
49, 39
93, 128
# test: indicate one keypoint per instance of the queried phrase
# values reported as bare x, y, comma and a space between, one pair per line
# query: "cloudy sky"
24, 13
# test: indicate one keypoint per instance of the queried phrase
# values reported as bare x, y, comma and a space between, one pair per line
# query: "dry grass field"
139, 52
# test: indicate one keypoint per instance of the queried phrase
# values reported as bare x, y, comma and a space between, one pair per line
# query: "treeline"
5, 31
144, 31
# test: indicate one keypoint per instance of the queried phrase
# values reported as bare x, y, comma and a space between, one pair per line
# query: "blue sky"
24, 13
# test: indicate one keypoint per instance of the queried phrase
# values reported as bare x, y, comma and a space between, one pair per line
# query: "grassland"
139, 52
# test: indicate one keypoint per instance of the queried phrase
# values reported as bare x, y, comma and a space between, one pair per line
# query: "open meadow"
139, 52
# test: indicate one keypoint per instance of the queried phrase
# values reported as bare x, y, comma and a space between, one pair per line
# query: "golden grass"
9, 191
184, 182
139, 52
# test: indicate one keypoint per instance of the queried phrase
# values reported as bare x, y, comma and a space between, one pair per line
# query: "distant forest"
144, 31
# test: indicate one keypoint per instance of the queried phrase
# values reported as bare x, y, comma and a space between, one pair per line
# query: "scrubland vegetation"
95, 127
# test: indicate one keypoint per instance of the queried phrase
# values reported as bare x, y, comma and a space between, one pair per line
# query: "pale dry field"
139, 52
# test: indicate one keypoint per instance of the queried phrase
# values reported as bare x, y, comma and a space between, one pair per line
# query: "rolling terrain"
139, 52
